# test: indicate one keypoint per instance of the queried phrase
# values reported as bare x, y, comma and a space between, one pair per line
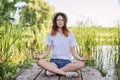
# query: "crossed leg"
73, 66
50, 67
62, 71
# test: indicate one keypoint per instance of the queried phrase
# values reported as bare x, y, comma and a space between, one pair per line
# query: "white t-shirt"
61, 45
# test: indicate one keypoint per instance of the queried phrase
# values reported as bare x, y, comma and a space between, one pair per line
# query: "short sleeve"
48, 40
72, 40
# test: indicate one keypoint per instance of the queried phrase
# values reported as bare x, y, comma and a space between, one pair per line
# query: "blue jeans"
60, 62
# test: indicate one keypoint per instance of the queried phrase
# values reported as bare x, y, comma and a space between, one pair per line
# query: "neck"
60, 30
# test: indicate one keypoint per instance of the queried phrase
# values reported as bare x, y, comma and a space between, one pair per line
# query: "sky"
99, 12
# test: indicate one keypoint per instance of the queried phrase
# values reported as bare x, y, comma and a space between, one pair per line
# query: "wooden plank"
42, 76
30, 74
89, 73
72, 78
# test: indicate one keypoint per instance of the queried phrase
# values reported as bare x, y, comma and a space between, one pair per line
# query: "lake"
106, 60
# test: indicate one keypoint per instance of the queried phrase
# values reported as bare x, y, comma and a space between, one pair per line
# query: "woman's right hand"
37, 57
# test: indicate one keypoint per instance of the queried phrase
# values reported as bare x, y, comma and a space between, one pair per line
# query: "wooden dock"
37, 73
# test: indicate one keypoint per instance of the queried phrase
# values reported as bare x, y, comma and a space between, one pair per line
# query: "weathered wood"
42, 76
72, 78
29, 74
89, 73
37, 73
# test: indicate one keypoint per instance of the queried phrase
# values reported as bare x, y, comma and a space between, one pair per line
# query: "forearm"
47, 51
43, 55
76, 56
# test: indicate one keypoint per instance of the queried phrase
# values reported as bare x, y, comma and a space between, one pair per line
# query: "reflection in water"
106, 58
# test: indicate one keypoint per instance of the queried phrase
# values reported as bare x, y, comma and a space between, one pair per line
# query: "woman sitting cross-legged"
62, 42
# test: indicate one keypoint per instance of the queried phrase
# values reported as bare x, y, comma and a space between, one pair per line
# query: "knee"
81, 64
39, 62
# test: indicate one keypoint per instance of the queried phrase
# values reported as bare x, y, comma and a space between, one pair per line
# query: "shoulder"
71, 34
49, 33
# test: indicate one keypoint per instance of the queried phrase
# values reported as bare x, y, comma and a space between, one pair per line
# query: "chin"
60, 26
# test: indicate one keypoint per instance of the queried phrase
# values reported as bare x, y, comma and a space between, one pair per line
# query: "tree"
6, 7
37, 12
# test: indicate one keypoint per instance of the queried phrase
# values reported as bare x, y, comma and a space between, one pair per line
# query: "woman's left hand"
84, 58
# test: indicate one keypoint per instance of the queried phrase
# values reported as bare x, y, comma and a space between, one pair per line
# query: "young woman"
63, 45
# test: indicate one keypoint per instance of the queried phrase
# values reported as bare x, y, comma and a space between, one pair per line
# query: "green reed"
18, 42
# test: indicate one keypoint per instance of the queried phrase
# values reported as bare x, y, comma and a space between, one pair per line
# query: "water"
106, 59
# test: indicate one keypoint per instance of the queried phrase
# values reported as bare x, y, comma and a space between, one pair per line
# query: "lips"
60, 24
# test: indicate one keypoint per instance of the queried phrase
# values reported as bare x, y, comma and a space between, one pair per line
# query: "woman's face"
60, 21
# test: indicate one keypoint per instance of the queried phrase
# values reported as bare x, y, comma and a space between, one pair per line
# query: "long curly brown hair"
55, 27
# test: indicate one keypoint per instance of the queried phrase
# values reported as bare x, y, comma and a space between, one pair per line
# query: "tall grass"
18, 43
12, 47
90, 37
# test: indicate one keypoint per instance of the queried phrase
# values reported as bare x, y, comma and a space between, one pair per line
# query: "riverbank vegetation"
18, 43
